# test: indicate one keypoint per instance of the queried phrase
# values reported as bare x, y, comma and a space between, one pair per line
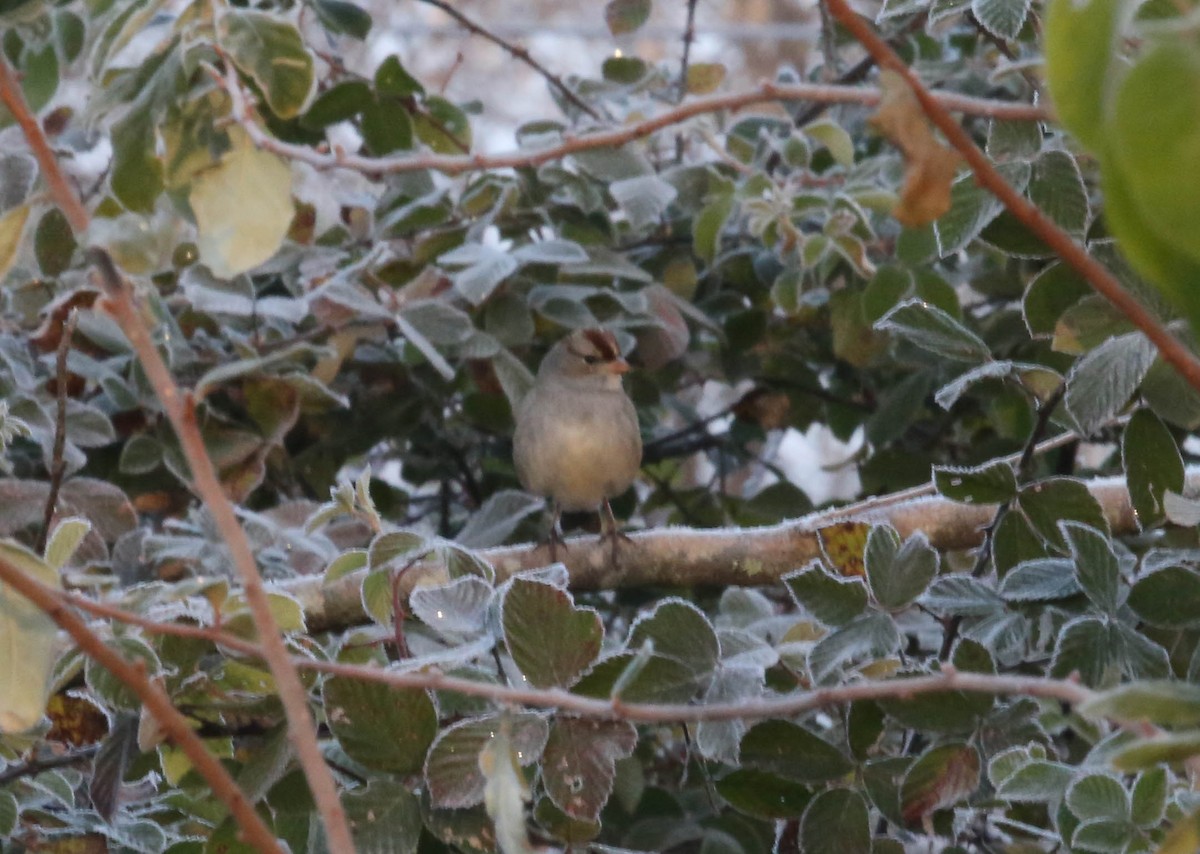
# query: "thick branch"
455, 165
174, 724
119, 301
683, 557
1074, 254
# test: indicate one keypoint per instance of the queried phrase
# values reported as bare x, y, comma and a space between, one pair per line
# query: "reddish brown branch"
1074, 254
120, 302
455, 165
174, 724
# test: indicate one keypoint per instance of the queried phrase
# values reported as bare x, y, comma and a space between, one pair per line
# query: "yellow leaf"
704, 77
844, 544
12, 226
243, 209
930, 165
27, 647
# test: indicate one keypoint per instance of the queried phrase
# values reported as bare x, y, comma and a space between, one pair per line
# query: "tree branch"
155, 698
518, 53
119, 302
58, 465
456, 165
1074, 254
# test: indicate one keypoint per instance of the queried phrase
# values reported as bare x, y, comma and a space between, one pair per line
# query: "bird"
577, 440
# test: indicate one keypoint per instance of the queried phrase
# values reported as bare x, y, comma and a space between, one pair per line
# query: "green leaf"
107, 688
1102, 382
940, 778
897, 583
499, 516
65, 539
137, 171
341, 17
580, 763
393, 80
708, 224
972, 208
452, 767
832, 599
679, 631
1050, 501
961, 595
868, 637
550, 640
1081, 48
1038, 781
272, 53
1096, 566
1052, 292
1001, 18
339, 102
626, 16
1151, 753
384, 728
386, 128
836, 822
243, 208
1040, 580
1168, 598
1056, 187
1152, 466
1098, 796
642, 198
54, 243
443, 126
992, 483
1172, 704
1171, 397
934, 330
1148, 802
762, 794
27, 644
792, 752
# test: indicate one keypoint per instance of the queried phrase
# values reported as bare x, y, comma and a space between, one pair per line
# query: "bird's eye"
592, 360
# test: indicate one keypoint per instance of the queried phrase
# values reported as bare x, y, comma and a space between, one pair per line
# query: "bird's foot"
611, 532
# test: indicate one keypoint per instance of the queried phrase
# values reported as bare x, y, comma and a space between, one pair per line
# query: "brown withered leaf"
844, 544
75, 720
929, 165
769, 410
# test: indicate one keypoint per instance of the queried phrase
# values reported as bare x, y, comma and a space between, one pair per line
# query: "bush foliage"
354, 327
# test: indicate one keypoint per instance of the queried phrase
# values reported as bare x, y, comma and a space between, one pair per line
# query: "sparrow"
577, 440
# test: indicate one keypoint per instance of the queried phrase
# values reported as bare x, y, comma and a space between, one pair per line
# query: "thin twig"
518, 53
457, 165
948, 679
119, 301
1074, 254
37, 766
58, 466
689, 36
133, 676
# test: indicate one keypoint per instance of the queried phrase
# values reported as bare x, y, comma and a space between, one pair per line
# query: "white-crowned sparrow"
577, 439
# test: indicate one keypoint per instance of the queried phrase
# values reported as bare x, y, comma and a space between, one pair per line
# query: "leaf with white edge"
27, 648
836, 822
1040, 580
832, 599
9, 812
681, 632
866, 638
992, 483
941, 777
270, 51
384, 728
1098, 796
243, 208
65, 539
551, 641
107, 688
1048, 502
1153, 466
1090, 646
579, 763
1001, 18
643, 198
499, 516
1096, 565
421, 343
906, 577
835, 138
1102, 382
961, 595
1038, 781
490, 267
793, 752
505, 793
1167, 749
440, 322
972, 208
459, 607
932, 329
1171, 704
1149, 799
452, 766
551, 252
1056, 187
1168, 598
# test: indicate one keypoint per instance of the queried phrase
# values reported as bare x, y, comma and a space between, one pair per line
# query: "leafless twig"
58, 465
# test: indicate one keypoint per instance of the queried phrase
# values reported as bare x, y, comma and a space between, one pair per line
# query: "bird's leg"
610, 530
555, 537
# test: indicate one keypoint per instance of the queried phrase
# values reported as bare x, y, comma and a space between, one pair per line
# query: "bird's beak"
618, 367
